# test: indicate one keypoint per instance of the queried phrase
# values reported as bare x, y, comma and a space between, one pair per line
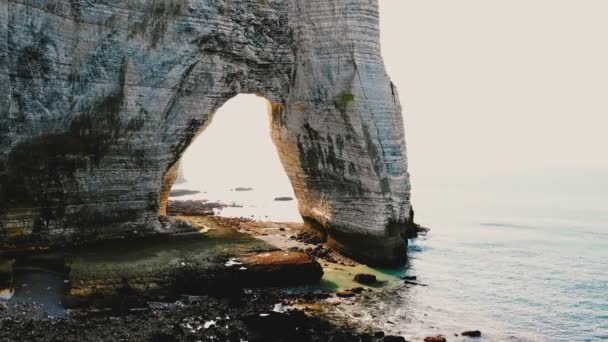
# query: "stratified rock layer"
98, 100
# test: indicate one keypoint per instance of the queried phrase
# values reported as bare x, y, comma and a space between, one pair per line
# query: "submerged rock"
99, 100
365, 279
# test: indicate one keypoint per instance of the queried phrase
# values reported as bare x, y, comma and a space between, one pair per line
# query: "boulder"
279, 268
438, 338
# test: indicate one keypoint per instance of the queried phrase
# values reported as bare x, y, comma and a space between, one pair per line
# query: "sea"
518, 257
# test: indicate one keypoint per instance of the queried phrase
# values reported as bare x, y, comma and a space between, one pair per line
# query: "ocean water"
529, 261
518, 262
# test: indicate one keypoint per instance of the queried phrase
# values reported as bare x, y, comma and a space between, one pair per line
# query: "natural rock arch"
98, 99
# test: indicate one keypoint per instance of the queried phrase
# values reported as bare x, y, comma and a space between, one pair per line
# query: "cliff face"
99, 98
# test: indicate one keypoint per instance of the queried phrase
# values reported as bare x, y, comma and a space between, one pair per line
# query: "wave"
505, 225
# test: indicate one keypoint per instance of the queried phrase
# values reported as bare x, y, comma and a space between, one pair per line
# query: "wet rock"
414, 230
379, 334
357, 290
345, 294
391, 338
414, 283
410, 278
365, 279
471, 333
242, 189
438, 338
280, 268
421, 230
308, 238
245, 317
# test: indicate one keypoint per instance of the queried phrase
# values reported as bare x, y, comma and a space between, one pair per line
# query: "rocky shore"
217, 279
247, 315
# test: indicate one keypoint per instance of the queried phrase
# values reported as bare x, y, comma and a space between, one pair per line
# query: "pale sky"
500, 86
487, 87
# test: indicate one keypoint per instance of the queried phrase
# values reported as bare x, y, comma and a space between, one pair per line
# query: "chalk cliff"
99, 98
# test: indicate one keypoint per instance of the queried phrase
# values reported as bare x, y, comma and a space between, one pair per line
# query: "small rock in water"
283, 199
414, 283
409, 278
438, 338
243, 189
471, 333
365, 279
345, 294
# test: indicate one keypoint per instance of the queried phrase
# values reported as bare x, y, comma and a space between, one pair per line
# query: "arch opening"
234, 162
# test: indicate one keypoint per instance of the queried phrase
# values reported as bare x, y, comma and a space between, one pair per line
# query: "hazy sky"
487, 87
500, 86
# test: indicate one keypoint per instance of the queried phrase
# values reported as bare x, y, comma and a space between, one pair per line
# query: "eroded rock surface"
98, 100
